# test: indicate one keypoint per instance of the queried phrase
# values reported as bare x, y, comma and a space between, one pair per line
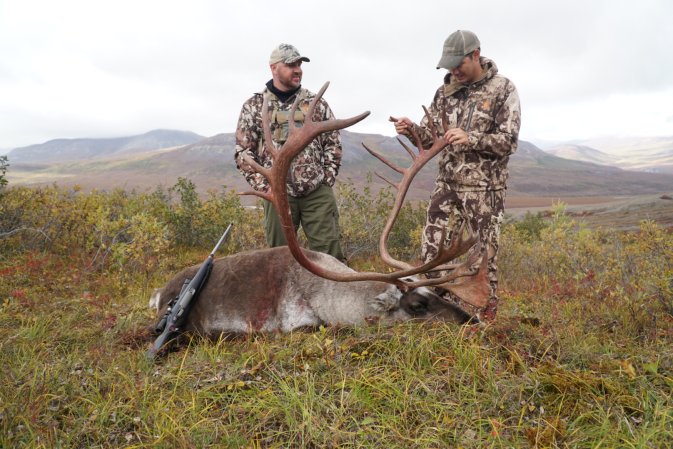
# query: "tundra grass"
550, 372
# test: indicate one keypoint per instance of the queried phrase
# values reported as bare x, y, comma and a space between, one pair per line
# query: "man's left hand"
456, 136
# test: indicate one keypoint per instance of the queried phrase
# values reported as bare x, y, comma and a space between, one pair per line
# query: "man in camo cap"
482, 115
312, 173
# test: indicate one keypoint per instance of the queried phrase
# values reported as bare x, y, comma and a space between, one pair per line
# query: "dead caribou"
287, 288
267, 290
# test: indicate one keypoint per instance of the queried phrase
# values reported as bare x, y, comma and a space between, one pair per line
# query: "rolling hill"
60, 150
159, 158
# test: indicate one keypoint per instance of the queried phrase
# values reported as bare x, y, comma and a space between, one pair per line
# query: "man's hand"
403, 125
456, 136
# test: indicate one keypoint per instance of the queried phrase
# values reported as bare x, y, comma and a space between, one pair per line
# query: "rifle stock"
176, 315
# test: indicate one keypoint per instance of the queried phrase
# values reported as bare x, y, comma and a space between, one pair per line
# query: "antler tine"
266, 127
431, 122
298, 139
318, 97
416, 138
263, 195
406, 147
429, 117
393, 184
383, 159
311, 109
258, 168
444, 124
460, 244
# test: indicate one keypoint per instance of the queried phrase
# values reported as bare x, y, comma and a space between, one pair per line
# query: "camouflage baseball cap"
286, 53
456, 47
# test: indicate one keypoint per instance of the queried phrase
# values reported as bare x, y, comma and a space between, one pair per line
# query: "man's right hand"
403, 125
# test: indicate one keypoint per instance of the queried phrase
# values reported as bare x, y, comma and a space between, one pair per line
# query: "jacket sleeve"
332, 150
502, 142
248, 135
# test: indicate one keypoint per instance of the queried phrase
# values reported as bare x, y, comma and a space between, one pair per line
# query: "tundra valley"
579, 356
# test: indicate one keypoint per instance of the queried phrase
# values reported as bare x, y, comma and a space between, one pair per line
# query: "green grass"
581, 355
75, 375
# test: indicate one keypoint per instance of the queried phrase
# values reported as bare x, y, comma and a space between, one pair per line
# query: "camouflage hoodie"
317, 164
488, 110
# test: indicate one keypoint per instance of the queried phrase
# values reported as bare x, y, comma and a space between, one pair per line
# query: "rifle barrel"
224, 236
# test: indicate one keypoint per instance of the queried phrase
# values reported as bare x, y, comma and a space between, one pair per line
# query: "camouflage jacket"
488, 110
319, 162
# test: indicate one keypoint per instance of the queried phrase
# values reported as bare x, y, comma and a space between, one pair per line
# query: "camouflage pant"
484, 211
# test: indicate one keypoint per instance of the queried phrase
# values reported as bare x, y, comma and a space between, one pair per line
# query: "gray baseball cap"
287, 54
456, 47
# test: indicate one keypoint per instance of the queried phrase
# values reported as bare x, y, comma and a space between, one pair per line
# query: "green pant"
318, 216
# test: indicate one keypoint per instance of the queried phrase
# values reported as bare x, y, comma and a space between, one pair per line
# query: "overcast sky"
70, 68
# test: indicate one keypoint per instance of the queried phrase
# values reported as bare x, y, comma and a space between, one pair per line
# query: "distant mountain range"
62, 150
651, 154
159, 157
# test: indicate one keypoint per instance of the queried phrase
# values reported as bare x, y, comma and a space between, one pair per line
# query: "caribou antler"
298, 139
460, 243
474, 289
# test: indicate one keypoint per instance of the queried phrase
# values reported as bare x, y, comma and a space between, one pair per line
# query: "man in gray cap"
312, 173
481, 111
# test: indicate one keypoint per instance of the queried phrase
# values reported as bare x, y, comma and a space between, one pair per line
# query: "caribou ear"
388, 300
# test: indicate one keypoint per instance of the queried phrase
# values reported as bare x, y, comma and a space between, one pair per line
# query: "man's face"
286, 76
469, 69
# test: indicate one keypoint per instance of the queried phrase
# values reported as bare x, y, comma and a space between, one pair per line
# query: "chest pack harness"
280, 118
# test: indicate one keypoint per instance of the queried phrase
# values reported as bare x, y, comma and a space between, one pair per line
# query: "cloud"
95, 69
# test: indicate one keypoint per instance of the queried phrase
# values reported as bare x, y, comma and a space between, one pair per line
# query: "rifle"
178, 309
